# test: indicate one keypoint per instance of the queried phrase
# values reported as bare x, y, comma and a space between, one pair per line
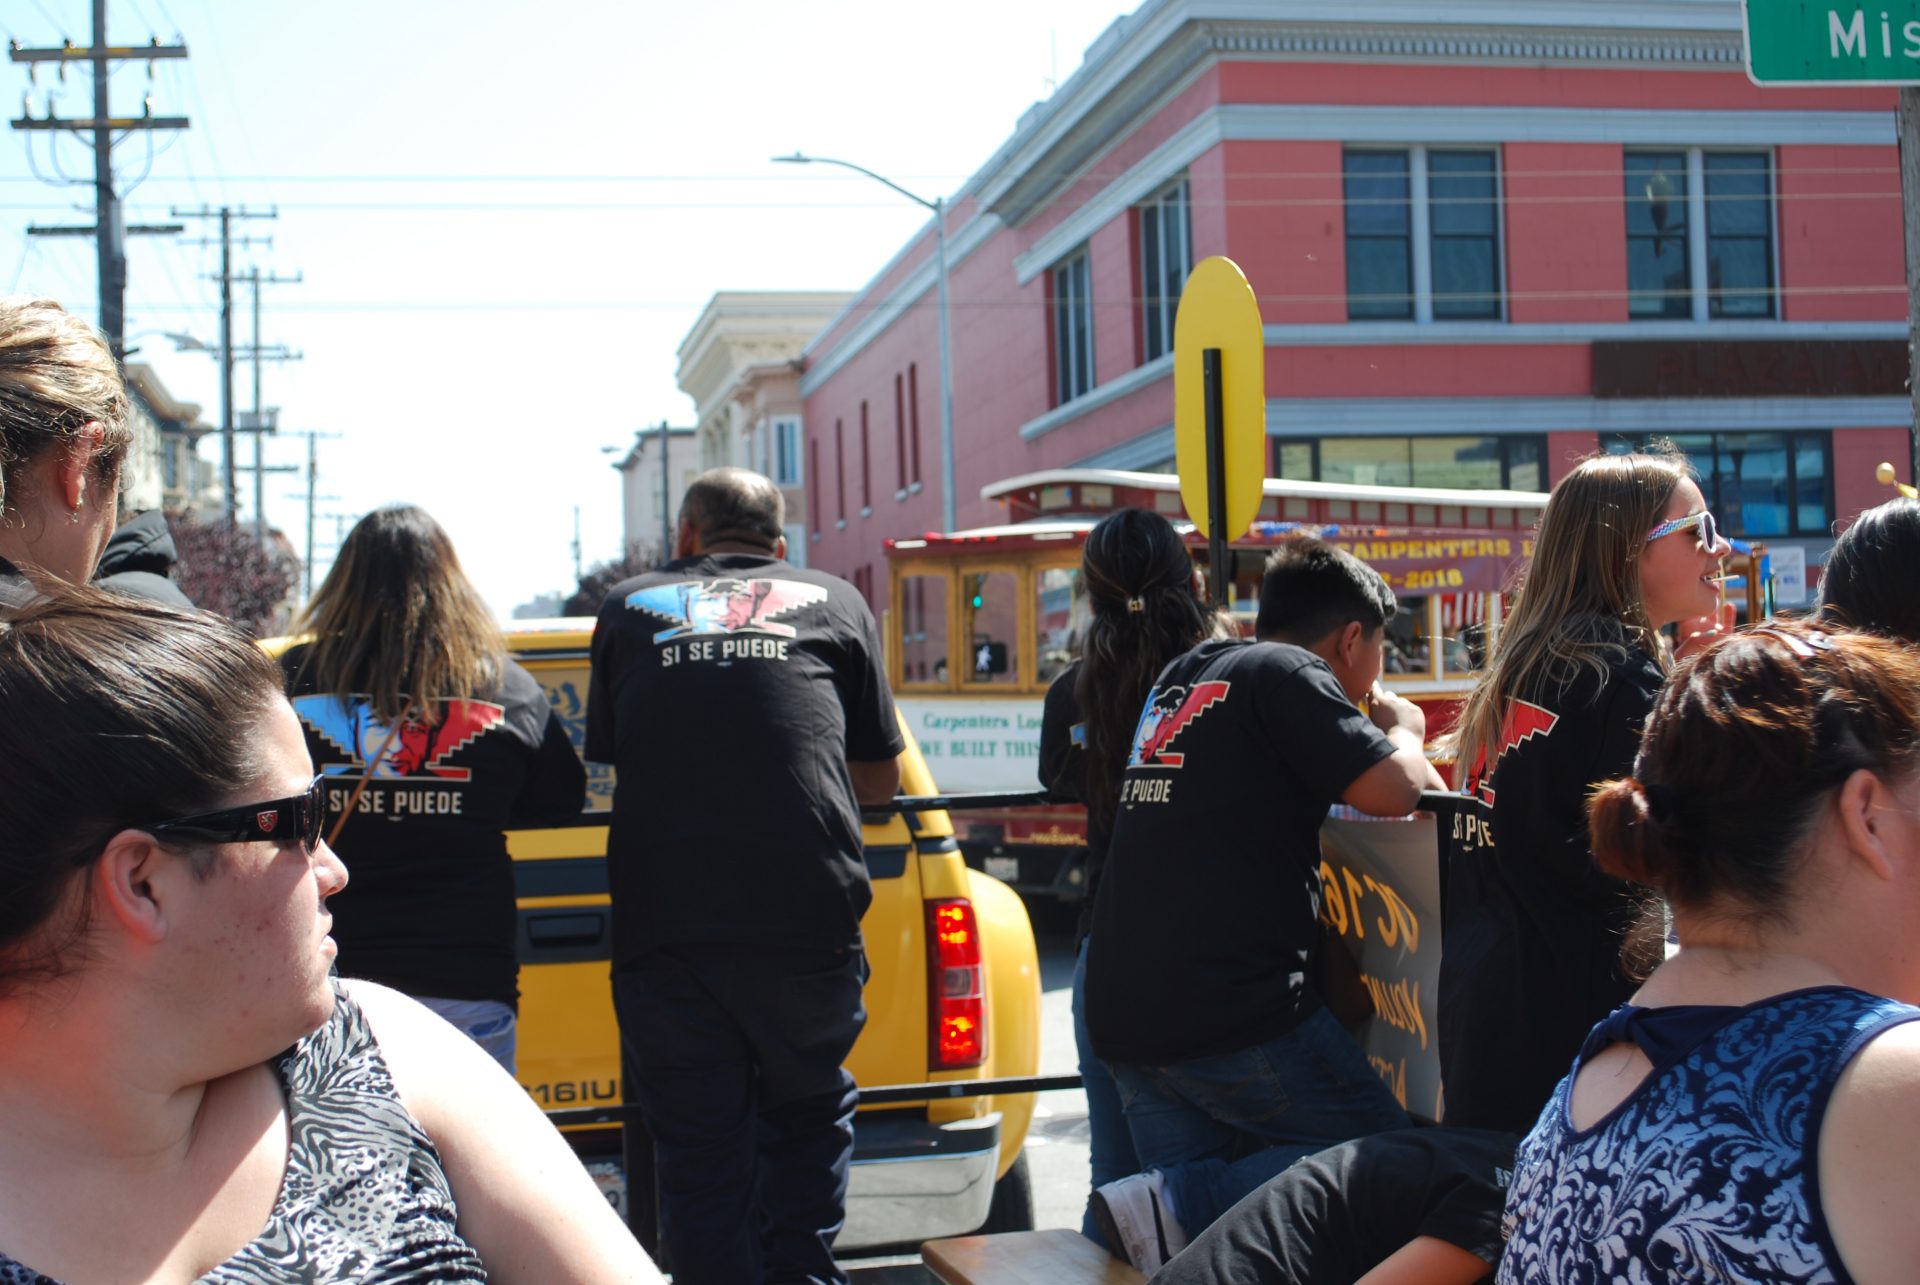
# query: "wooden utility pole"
261, 423
109, 229
230, 479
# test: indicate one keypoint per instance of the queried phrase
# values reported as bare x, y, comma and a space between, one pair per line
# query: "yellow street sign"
1218, 310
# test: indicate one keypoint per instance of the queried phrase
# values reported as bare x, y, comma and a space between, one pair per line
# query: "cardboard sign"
1380, 894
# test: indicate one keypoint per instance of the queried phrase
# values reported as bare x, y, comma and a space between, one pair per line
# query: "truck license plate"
1007, 868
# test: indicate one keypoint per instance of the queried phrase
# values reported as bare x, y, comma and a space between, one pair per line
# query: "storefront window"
1514, 462
1758, 484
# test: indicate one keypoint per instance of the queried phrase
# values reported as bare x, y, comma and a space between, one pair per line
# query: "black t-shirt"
429, 903
1208, 916
1532, 928
1338, 1214
1063, 774
729, 692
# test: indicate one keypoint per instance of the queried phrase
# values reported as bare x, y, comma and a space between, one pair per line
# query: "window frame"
786, 432
1618, 443
1071, 347
1156, 307
1507, 443
1701, 298
1420, 234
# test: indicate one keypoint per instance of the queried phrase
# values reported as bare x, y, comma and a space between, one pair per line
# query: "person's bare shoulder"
1868, 1184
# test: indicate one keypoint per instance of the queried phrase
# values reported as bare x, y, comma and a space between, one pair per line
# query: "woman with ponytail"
1146, 609
1753, 1113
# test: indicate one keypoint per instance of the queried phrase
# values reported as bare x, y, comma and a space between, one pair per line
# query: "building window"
1166, 257
840, 471
913, 419
814, 509
866, 464
786, 452
1072, 328
1672, 274
1510, 462
900, 431
1759, 484
1422, 234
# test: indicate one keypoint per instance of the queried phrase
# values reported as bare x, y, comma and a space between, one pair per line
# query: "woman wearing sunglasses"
1752, 1115
1533, 931
185, 1094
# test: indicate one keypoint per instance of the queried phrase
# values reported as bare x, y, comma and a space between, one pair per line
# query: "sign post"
1219, 409
1843, 42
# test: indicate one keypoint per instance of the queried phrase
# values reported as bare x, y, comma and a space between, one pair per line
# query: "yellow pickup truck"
920, 1170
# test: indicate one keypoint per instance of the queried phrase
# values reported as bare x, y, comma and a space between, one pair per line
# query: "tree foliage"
225, 569
603, 576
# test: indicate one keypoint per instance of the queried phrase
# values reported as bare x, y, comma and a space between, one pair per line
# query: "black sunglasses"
282, 820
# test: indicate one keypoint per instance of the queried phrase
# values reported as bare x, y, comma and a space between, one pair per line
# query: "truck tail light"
956, 996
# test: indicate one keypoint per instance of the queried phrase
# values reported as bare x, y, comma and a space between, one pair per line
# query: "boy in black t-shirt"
1207, 923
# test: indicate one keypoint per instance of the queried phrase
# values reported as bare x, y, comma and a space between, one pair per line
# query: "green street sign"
1833, 42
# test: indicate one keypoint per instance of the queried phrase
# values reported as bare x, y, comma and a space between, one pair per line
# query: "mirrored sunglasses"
1709, 532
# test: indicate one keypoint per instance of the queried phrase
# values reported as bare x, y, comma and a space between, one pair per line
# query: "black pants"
736, 1054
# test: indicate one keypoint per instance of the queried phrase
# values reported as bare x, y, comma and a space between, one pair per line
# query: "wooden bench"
1057, 1257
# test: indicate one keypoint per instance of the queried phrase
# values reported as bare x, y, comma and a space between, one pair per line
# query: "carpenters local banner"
1417, 561
972, 743
1380, 897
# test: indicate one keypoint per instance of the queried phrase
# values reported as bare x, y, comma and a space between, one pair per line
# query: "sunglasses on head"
1709, 533
281, 821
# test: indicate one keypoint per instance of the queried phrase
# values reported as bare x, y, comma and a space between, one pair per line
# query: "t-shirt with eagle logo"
1532, 929
1207, 922
729, 692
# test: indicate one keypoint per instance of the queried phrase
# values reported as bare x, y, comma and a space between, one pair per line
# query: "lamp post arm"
799, 159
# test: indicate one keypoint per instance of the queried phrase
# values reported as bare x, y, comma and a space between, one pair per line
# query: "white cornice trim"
1151, 447
885, 312
1487, 125
1396, 416
1104, 394
1399, 334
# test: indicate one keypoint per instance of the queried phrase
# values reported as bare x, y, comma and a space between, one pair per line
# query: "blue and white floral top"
1707, 1172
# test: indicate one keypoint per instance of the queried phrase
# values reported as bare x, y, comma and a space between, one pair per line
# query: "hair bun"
1625, 824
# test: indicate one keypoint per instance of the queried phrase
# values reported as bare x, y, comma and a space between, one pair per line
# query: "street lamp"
939, 207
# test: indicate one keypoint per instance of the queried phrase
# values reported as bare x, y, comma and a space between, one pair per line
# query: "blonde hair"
1580, 603
398, 620
57, 375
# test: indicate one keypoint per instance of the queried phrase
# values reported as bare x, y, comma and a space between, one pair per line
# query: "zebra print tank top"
364, 1197
1707, 1172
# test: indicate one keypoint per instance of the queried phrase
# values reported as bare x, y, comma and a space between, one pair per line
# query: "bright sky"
508, 216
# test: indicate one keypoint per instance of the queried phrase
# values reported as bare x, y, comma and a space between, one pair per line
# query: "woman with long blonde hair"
1533, 930
433, 742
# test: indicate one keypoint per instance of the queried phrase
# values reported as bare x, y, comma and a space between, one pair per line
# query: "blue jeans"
1251, 1112
487, 1022
1109, 1144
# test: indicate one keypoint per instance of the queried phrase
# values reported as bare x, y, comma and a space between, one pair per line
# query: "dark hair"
1868, 583
1139, 579
1311, 589
1739, 756
397, 619
729, 504
121, 711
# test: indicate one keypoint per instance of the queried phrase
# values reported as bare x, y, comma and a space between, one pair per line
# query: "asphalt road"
1057, 1142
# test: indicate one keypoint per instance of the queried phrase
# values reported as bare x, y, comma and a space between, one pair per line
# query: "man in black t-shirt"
1207, 924
742, 702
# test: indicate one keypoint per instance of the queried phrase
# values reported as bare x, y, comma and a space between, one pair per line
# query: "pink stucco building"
1487, 237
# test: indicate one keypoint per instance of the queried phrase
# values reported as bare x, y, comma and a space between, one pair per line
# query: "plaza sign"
1833, 42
